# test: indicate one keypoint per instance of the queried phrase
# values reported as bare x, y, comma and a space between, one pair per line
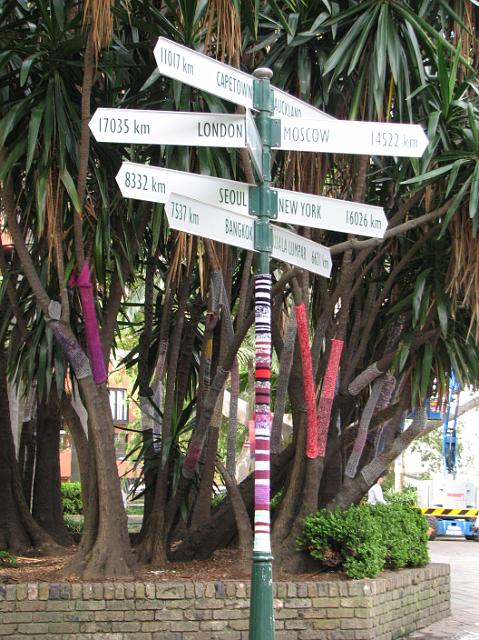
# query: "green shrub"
404, 534
408, 496
362, 540
6, 559
72, 498
74, 524
276, 501
347, 539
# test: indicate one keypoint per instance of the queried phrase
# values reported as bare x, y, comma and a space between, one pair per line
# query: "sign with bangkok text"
154, 184
132, 126
201, 219
222, 80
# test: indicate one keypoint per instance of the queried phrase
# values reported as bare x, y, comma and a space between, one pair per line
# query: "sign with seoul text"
154, 184
200, 219
136, 126
222, 80
348, 136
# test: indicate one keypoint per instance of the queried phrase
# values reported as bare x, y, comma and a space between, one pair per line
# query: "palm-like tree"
401, 307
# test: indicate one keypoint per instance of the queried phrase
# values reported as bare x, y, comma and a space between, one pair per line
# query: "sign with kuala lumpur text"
201, 219
136, 126
154, 184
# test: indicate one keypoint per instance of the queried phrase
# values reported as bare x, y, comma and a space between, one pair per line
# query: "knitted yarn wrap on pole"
262, 541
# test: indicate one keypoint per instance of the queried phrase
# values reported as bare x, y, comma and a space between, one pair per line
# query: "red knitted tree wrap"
308, 382
327, 394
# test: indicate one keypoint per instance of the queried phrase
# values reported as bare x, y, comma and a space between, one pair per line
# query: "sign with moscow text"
201, 219
132, 126
207, 74
154, 184
349, 136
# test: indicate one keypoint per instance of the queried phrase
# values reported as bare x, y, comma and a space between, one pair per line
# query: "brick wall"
381, 609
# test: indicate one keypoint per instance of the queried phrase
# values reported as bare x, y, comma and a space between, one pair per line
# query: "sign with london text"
154, 184
136, 126
222, 80
349, 136
201, 219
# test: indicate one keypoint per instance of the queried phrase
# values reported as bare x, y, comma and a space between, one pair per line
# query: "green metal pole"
264, 206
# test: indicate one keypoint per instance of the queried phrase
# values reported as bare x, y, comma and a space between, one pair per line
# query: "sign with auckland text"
136, 126
207, 74
201, 219
349, 136
154, 184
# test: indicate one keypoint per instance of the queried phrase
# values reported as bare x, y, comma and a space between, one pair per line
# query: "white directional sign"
348, 136
301, 252
169, 127
154, 184
333, 214
200, 71
254, 143
201, 219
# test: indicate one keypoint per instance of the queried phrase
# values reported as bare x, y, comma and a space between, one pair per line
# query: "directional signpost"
222, 210
154, 184
201, 219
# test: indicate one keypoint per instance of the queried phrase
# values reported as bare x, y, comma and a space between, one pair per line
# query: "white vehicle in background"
449, 502
451, 506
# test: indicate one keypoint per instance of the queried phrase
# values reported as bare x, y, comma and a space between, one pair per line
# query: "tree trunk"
26, 456
19, 532
219, 530
80, 441
110, 554
202, 507
47, 500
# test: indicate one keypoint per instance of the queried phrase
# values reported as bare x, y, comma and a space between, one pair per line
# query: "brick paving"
463, 624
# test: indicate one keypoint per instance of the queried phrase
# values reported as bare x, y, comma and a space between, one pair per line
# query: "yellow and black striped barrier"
441, 511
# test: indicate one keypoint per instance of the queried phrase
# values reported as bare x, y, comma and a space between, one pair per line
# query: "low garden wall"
383, 608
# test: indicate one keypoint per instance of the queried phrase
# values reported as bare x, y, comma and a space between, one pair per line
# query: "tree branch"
353, 243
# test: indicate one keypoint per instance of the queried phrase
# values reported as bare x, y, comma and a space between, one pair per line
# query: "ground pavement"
463, 624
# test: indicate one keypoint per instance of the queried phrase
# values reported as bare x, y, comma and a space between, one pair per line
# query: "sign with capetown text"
154, 184
222, 80
192, 216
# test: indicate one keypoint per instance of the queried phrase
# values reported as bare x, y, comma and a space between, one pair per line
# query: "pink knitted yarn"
327, 394
92, 332
308, 383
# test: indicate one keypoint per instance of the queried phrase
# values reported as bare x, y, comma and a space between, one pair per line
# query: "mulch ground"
222, 566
